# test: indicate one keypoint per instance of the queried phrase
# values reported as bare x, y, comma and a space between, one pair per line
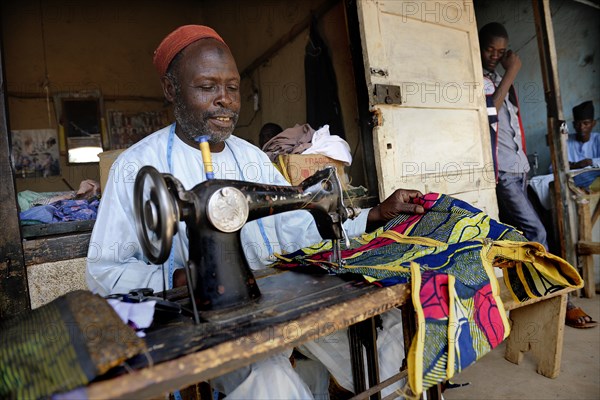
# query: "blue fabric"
515, 208
41, 214
61, 211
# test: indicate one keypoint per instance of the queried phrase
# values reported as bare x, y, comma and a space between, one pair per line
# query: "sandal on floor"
575, 318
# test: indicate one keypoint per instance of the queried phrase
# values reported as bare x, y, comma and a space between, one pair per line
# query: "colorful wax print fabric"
448, 256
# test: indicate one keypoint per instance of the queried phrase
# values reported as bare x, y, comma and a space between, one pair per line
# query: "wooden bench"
537, 326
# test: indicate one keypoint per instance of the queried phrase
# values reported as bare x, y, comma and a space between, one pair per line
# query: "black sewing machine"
214, 212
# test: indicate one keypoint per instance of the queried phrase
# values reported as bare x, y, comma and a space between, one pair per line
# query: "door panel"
436, 74
449, 13
438, 138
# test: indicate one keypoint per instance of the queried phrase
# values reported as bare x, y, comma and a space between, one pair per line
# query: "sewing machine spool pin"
214, 212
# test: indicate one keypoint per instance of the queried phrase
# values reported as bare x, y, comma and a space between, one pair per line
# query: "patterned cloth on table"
448, 255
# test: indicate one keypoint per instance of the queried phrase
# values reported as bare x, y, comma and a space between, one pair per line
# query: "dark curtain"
322, 103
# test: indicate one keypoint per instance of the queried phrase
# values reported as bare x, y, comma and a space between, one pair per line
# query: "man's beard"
583, 137
194, 124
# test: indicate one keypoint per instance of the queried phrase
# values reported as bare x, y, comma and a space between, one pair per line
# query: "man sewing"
584, 146
200, 78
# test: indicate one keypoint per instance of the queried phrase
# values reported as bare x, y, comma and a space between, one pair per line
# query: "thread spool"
206, 157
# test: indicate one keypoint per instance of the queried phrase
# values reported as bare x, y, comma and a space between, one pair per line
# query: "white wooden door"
437, 139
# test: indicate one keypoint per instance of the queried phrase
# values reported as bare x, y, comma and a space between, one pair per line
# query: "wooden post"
585, 236
556, 139
14, 293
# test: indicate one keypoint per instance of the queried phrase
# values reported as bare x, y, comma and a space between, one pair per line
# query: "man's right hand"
511, 61
586, 162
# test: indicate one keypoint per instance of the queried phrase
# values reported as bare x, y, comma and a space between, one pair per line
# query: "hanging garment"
322, 102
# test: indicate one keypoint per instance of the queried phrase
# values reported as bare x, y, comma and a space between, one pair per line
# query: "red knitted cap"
178, 40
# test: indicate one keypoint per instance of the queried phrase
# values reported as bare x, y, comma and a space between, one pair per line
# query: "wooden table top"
294, 308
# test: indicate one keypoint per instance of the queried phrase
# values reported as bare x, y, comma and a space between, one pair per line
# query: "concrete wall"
108, 46
576, 31
50, 280
98, 45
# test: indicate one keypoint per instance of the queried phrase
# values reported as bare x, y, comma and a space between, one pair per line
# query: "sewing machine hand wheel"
156, 214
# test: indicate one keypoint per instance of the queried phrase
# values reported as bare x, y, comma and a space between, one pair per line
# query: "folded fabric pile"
303, 139
448, 255
332, 146
29, 198
61, 211
51, 207
291, 141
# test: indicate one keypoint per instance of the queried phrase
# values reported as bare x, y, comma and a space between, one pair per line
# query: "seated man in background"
200, 78
584, 146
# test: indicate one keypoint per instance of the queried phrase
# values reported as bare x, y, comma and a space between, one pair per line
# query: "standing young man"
508, 146
508, 140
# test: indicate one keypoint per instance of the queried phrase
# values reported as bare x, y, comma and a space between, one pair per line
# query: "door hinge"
387, 94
